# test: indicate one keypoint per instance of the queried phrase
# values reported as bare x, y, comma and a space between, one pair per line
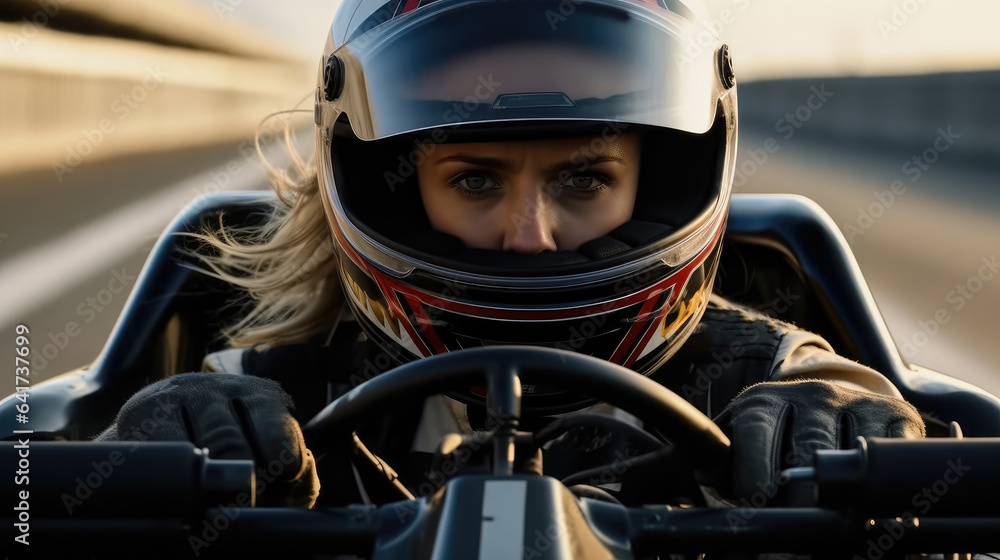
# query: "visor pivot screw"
333, 78
726, 67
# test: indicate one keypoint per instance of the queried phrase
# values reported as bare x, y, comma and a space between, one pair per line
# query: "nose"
531, 225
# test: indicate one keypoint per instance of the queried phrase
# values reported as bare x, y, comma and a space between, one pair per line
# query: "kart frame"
774, 245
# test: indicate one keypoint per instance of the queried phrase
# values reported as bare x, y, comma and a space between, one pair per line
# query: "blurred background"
115, 114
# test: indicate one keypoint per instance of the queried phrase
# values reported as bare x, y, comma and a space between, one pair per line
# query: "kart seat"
783, 255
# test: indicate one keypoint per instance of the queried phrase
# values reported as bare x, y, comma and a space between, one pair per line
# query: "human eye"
474, 183
586, 182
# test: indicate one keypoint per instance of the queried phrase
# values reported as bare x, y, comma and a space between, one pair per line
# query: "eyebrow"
499, 163
477, 160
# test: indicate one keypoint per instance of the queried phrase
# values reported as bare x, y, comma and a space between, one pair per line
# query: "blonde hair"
285, 268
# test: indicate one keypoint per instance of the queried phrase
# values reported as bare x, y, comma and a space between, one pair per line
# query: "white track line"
29, 280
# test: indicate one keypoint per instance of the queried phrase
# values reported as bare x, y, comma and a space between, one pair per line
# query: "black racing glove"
235, 417
780, 424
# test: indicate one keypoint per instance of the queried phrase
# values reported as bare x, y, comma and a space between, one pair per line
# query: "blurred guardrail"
901, 113
90, 79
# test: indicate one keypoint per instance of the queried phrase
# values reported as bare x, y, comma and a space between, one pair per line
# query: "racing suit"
732, 348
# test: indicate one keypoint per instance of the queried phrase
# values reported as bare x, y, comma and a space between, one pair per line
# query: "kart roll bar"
171, 318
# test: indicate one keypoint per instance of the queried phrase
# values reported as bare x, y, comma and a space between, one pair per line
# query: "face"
531, 196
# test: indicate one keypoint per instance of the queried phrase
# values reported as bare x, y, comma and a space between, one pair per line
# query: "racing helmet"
399, 77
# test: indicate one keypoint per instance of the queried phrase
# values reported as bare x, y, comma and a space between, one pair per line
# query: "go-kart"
880, 499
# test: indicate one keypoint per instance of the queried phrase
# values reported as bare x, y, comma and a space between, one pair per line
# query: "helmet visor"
462, 62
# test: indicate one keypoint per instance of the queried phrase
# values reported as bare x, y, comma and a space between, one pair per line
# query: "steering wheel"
661, 409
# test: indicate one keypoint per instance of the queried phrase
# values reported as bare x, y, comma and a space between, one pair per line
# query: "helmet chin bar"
635, 322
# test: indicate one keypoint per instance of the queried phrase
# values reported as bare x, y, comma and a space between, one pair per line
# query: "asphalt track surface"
928, 245
69, 251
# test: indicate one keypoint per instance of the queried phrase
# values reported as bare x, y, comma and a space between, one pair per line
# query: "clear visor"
452, 63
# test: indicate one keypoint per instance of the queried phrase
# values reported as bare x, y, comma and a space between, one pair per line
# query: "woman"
516, 172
